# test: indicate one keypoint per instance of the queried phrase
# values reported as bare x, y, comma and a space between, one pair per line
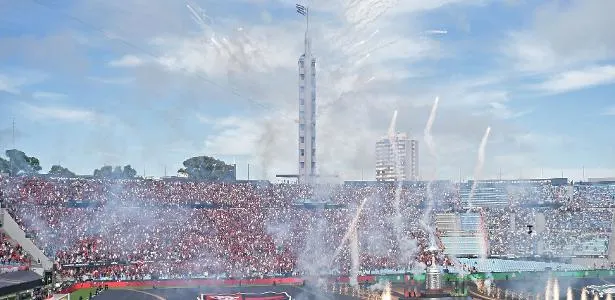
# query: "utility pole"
11, 160
248, 172
13, 132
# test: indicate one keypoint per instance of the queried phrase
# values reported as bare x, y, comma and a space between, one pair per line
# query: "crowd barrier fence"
393, 278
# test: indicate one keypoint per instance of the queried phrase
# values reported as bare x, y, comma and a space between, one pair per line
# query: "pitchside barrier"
183, 283
393, 278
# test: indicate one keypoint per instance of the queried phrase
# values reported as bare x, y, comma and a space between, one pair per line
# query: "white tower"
307, 107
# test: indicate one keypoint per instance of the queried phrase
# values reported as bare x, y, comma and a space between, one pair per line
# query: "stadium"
205, 234
150, 239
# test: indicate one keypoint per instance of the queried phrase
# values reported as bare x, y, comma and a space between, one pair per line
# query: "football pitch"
295, 292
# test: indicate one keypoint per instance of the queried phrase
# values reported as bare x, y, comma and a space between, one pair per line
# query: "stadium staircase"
13, 230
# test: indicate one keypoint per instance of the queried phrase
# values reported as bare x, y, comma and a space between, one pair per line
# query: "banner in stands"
244, 296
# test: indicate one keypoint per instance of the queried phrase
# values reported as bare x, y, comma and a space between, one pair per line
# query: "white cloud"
579, 79
48, 95
8, 85
64, 114
564, 35
609, 111
14, 81
127, 61
112, 80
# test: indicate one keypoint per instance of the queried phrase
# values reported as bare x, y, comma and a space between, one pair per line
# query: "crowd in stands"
136, 229
11, 254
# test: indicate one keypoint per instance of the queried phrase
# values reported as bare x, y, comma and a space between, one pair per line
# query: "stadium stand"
135, 229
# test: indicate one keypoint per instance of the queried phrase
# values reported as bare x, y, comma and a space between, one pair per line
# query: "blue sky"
115, 82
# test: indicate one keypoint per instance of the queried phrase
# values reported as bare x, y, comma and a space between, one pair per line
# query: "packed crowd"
11, 254
133, 229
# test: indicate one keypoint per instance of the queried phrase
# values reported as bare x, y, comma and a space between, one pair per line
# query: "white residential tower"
397, 158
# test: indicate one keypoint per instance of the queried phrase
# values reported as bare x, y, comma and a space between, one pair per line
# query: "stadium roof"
14, 282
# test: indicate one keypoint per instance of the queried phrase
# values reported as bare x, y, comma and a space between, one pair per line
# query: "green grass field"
85, 293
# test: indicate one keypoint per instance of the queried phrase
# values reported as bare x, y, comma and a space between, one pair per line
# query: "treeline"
17, 163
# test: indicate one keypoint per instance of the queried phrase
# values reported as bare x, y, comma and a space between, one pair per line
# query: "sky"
152, 83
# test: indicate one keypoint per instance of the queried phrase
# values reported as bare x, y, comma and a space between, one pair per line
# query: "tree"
104, 172
19, 162
208, 168
129, 172
4, 166
59, 171
182, 172
116, 172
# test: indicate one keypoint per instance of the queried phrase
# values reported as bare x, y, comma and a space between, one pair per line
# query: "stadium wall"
205, 282
183, 283
393, 278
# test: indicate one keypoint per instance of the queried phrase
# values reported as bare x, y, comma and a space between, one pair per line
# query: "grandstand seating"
98, 228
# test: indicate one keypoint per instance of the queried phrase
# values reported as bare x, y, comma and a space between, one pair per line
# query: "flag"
301, 9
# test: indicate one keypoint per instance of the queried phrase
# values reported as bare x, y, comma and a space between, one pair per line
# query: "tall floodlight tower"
307, 106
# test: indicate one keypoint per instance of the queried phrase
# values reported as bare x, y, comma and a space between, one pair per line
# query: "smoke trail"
354, 258
198, 16
352, 227
548, 289
555, 289
479, 165
432, 150
427, 133
407, 246
386, 293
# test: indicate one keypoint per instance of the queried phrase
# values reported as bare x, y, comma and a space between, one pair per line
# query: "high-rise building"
397, 158
307, 108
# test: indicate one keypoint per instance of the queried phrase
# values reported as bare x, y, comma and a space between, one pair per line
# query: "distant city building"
397, 158
307, 109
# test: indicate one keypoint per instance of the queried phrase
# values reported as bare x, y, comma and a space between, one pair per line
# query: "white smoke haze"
278, 227
313, 261
258, 62
376, 230
357, 53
